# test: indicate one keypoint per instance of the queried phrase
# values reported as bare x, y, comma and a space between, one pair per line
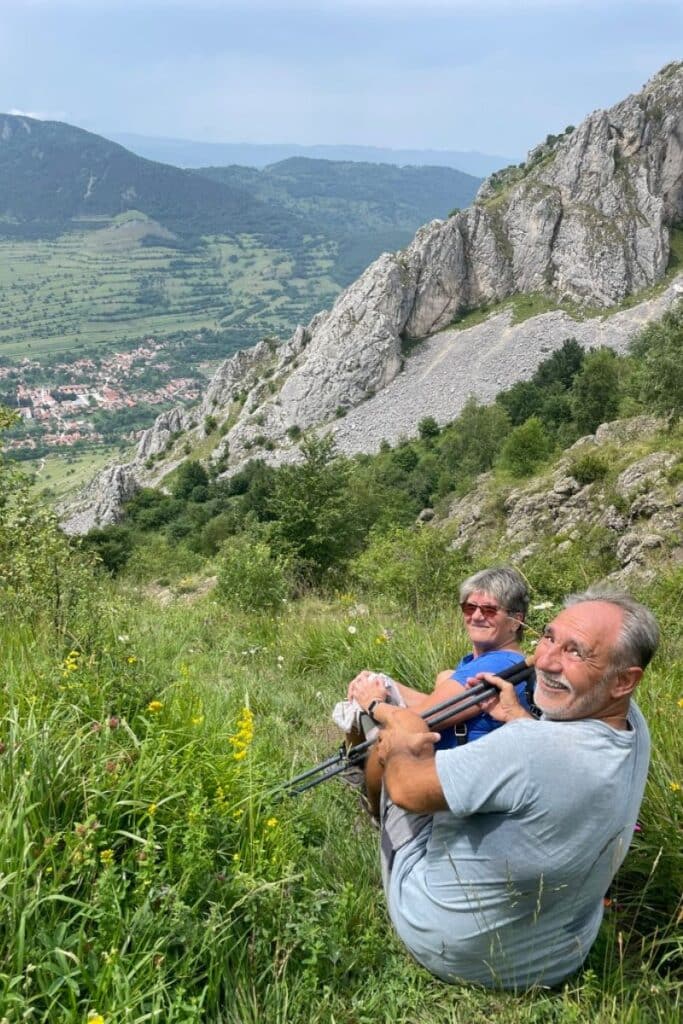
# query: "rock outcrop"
635, 501
100, 502
586, 220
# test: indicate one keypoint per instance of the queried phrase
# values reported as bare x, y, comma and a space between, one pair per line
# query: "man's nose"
548, 655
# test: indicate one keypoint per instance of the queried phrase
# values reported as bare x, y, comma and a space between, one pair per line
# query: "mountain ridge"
588, 218
189, 153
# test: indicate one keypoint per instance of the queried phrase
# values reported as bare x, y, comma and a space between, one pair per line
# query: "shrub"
525, 448
595, 392
113, 546
410, 566
588, 468
319, 518
428, 428
659, 372
251, 577
191, 474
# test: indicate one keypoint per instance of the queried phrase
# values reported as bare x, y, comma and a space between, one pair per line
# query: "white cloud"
39, 115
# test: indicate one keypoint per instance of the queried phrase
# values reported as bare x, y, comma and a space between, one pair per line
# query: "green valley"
128, 281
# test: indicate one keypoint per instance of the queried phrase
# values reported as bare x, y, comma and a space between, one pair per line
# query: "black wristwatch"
373, 704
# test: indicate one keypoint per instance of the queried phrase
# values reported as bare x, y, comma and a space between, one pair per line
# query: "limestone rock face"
101, 501
164, 428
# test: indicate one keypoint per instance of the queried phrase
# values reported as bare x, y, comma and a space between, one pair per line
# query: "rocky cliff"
586, 219
616, 493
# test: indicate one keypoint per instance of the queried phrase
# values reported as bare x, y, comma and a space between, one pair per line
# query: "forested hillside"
367, 208
315, 517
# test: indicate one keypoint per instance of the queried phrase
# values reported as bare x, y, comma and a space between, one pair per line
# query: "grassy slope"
166, 884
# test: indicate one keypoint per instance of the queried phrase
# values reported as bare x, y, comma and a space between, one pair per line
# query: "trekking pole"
346, 758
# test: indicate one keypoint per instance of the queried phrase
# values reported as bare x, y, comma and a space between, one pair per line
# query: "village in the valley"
64, 414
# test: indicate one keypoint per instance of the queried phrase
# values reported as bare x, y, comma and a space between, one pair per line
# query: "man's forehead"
599, 619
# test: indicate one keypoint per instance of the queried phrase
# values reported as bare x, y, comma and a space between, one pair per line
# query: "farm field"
56, 476
96, 289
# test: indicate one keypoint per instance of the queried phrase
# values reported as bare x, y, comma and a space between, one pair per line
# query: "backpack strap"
529, 694
460, 731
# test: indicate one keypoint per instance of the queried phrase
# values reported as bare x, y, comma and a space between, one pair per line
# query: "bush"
595, 392
412, 567
251, 577
525, 448
191, 474
659, 372
428, 428
588, 468
113, 546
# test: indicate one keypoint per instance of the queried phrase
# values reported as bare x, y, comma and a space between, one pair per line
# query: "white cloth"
347, 713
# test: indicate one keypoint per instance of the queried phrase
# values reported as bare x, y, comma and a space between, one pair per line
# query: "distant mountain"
366, 208
331, 192
54, 174
188, 153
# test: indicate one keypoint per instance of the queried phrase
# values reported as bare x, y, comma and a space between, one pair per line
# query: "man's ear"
626, 681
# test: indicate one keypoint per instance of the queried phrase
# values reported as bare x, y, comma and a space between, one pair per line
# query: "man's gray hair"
502, 582
639, 634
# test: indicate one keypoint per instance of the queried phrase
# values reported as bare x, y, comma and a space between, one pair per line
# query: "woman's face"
490, 626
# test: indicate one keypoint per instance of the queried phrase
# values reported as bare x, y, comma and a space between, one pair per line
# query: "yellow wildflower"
675, 787
241, 740
70, 663
152, 810
131, 659
271, 823
155, 706
106, 856
680, 703
95, 1018
238, 813
197, 719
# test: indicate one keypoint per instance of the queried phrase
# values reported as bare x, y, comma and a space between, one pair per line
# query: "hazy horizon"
491, 77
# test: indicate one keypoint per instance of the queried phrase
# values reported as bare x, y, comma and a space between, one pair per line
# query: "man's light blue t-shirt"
506, 887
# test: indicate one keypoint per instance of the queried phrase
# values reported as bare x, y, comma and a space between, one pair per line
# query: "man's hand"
406, 750
403, 732
366, 687
505, 706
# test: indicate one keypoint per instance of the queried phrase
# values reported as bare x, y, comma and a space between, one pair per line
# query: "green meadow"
101, 287
151, 872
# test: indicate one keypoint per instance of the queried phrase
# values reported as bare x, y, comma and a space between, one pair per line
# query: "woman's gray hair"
639, 634
502, 582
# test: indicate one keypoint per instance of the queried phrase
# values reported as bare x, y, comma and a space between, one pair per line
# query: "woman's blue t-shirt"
481, 724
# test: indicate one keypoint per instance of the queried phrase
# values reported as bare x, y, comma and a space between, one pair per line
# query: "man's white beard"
582, 706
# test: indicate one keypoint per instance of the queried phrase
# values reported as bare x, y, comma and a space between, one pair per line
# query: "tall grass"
150, 873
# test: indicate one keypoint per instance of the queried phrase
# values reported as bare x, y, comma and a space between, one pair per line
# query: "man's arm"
406, 751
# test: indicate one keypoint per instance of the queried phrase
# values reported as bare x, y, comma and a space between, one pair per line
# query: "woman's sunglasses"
489, 611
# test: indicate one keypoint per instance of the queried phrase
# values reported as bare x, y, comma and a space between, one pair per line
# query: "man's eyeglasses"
489, 611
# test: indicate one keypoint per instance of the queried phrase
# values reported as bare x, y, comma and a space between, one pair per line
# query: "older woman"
494, 603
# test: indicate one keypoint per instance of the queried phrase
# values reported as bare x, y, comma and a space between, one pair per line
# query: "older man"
497, 855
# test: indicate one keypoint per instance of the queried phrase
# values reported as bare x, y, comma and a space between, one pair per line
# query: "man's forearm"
412, 782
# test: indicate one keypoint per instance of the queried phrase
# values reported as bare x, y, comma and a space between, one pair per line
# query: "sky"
489, 75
